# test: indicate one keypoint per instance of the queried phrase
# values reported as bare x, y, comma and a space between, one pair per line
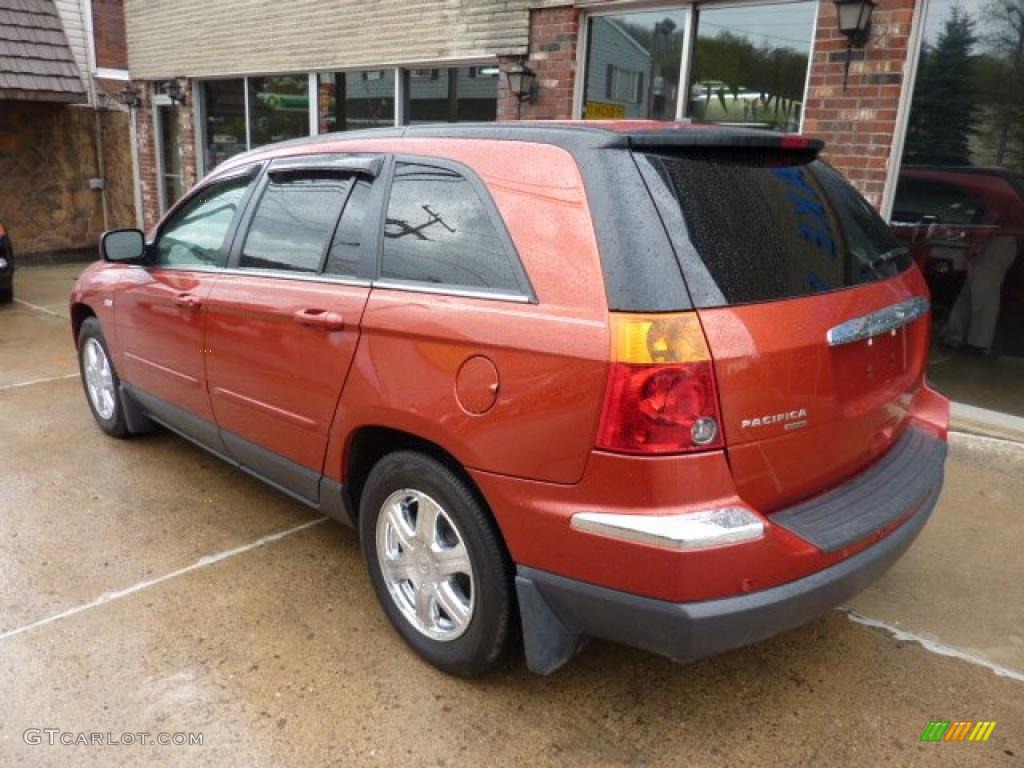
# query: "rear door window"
762, 228
440, 231
295, 221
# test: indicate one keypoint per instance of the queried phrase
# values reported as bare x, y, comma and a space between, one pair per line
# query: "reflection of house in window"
618, 69
624, 85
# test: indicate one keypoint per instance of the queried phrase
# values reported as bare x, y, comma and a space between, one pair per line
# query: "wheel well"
79, 312
370, 444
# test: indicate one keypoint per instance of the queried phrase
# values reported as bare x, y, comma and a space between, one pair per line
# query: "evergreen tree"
943, 110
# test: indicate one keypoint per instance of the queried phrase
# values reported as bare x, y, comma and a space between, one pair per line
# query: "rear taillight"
661, 394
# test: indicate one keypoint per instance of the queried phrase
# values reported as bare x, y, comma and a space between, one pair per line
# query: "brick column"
553, 35
858, 124
148, 146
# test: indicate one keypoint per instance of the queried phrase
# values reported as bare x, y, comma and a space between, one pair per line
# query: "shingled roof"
35, 58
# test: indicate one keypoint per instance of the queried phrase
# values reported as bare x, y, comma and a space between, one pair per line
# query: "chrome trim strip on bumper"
878, 322
690, 530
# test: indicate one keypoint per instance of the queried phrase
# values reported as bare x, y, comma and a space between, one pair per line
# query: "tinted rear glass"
763, 230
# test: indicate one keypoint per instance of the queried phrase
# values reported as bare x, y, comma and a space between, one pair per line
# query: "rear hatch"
814, 316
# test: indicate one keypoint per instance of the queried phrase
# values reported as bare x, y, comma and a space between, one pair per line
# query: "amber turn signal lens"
659, 339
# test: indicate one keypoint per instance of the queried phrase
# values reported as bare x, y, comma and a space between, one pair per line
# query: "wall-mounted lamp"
130, 97
102, 99
522, 83
854, 22
173, 90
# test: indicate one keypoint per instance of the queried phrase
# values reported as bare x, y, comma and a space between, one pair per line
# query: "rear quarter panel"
551, 355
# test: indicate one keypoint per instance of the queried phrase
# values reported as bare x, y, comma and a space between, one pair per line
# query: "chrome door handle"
320, 318
188, 301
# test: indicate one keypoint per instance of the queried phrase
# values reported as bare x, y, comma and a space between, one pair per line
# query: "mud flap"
549, 643
134, 417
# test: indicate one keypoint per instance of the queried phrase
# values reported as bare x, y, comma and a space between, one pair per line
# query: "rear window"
762, 230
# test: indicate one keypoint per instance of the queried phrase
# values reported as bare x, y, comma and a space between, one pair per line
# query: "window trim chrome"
447, 290
878, 322
327, 278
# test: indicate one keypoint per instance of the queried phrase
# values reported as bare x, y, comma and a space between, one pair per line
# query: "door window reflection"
750, 65
633, 63
278, 108
959, 202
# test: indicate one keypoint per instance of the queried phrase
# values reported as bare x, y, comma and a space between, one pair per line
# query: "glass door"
172, 180
959, 201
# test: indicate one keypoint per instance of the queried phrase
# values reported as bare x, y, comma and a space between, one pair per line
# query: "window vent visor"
367, 165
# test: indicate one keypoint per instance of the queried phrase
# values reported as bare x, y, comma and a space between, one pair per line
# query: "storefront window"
278, 108
959, 201
224, 116
449, 95
750, 64
633, 64
351, 100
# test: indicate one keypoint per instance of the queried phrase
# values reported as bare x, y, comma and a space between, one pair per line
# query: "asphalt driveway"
147, 587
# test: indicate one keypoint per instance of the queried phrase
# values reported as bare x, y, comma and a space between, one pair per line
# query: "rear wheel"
99, 379
7, 291
437, 563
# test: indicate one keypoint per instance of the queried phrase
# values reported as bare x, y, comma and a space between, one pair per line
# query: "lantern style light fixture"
130, 97
854, 17
522, 83
173, 90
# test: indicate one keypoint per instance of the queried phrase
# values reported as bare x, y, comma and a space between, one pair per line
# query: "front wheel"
437, 563
99, 379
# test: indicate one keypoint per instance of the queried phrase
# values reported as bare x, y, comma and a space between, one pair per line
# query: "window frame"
526, 294
344, 163
254, 170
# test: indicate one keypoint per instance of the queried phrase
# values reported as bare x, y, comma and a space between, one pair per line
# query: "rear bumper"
558, 613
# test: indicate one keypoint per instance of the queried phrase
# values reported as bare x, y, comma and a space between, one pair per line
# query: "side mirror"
121, 245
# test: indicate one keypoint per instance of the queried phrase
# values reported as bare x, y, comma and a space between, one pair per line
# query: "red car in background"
658, 384
947, 215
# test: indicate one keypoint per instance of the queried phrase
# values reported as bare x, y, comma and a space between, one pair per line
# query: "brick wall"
108, 32
552, 55
858, 123
148, 145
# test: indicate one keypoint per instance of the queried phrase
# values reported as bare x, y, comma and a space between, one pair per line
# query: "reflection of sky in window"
773, 26
939, 11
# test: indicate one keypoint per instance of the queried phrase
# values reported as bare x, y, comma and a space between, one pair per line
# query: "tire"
109, 412
7, 292
471, 639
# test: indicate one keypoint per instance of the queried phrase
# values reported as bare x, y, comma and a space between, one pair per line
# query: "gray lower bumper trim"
558, 613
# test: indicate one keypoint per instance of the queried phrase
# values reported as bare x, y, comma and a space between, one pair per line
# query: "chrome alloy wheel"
99, 378
425, 565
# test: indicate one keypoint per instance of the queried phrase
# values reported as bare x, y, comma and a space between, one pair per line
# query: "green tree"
1005, 44
943, 111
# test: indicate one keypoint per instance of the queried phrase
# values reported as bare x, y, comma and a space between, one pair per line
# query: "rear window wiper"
887, 256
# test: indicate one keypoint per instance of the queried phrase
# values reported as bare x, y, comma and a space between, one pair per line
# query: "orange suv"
654, 383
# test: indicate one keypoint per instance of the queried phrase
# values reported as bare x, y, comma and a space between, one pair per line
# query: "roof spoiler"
722, 138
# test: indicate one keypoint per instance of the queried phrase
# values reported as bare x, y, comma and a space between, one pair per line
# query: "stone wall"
117, 169
47, 156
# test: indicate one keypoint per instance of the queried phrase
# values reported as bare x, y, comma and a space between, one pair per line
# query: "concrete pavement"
145, 586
